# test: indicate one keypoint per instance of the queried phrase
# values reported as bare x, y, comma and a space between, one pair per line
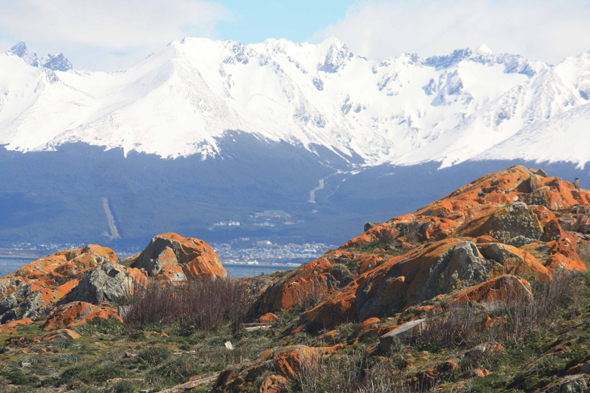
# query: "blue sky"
113, 34
255, 21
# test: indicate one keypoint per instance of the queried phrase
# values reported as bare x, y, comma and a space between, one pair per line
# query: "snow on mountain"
405, 110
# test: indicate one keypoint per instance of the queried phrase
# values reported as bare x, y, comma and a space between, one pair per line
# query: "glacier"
406, 110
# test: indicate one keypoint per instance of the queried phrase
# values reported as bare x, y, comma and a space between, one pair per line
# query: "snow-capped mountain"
405, 110
55, 62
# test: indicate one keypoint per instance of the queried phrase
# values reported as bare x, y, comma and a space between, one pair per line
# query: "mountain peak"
483, 48
20, 49
57, 62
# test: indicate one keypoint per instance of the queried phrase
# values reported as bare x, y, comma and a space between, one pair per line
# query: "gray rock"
519, 241
569, 384
31, 305
369, 225
400, 334
109, 283
386, 293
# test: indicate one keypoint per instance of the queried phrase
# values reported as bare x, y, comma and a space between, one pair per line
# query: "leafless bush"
461, 326
198, 305
523, 317
411, 232
582, 220
584, 252
456, 327
320, 374
349, 373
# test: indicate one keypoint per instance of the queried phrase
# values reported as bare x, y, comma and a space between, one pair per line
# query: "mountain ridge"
404, 110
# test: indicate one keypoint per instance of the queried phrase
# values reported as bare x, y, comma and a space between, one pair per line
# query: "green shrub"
121, 387
154, 355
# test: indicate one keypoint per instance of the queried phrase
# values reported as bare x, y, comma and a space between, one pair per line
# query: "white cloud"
537, 29
107, 26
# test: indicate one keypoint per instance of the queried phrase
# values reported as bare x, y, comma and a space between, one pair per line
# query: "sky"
108, 35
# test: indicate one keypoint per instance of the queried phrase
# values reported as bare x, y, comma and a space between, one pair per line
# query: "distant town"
239, 251
264, 252
267, 218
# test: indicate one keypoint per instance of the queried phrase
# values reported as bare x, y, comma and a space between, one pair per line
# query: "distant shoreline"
21, 254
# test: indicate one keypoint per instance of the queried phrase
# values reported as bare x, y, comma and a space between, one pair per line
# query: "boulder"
267, 318
307, 285
579, 383
369, 225
63, 334
78, 313
339, 308
108, 283
438, 268
399, 334
505, 223
31, 291
173, 258
11, 327
273, 383
514, 260
496, 291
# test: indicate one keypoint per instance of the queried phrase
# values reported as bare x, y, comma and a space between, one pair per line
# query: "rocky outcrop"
31, 291
173, 258
485, 239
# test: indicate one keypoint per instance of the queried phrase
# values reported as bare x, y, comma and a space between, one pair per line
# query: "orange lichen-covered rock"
369, 262
490, 323
308, 284
286, 362
273, 383
514, 260
437, 268
62, 334
78, 313
173, 258
552, 231
563, 254
498, 290
366, 325
334, 311
268, 318
505, 223
32, 290
10, 327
